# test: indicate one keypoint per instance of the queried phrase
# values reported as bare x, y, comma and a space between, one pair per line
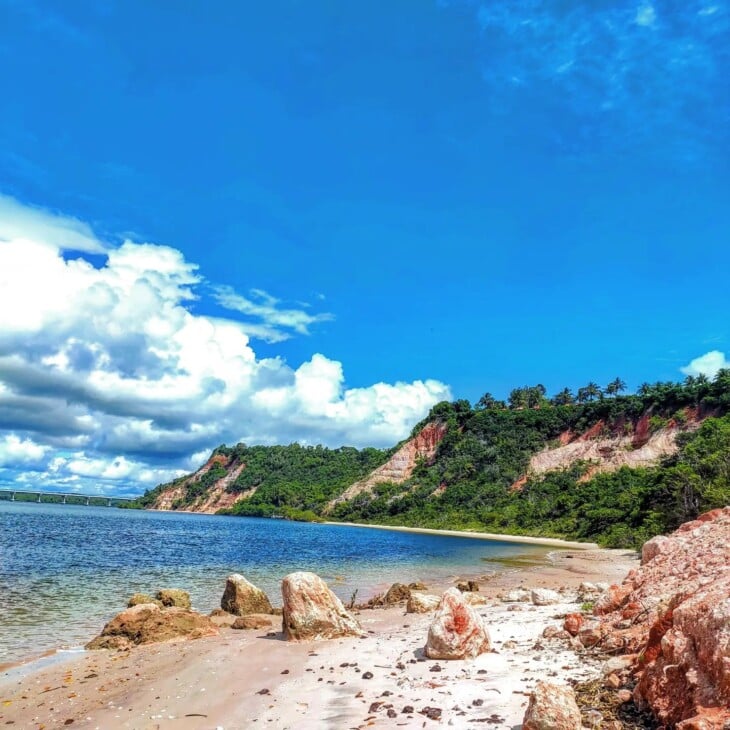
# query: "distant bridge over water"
34, 495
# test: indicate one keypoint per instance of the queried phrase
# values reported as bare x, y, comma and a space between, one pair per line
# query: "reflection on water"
65, 569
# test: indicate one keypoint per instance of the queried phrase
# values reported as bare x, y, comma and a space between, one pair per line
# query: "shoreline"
242, 677
491, 536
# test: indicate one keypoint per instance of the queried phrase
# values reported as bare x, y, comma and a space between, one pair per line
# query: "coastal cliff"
617, 470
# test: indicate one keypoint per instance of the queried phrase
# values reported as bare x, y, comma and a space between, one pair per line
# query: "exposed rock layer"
675, 611
400, 466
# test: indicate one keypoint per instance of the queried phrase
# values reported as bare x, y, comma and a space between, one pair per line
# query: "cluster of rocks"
670, 619
666, 628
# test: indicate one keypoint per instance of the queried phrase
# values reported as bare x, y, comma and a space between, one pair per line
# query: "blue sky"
381, 203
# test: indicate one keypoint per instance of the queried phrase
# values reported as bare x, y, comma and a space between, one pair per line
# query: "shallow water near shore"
65, 570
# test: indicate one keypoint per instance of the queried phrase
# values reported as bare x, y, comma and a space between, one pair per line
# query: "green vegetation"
291, 481
477, 478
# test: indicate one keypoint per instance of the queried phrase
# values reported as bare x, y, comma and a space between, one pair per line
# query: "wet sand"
244, 679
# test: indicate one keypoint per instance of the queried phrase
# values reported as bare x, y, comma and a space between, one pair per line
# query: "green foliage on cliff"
486, 449
296, 478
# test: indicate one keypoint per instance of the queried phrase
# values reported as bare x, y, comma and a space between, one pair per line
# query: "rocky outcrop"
552, 707
173, 597
241, 597
674, 611
311, 611
400, 466
457, 631
147, 623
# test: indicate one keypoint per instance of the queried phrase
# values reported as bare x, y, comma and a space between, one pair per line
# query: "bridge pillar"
87, 501
109, 503
12, 498
64, 499
39, 497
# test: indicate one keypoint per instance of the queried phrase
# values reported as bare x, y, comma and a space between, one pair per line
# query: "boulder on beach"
516, 595
147, 623
173, 597
544, 596
422, 602
253, 621
312, 611
241, 597
396, 593
139, 598
552, 707
457, 631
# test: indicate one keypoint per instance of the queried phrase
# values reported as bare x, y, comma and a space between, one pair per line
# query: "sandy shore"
521, 539
244, 679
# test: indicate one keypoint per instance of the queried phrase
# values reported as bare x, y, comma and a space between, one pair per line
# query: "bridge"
61, 497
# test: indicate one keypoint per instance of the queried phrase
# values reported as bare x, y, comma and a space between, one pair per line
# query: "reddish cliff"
609, 447
216, 497
400, 466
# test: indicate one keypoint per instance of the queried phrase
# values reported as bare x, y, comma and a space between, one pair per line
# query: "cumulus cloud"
15, 451
109, 380
707, 364
618, 72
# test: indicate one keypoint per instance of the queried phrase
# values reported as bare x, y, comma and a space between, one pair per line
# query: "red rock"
678, 602
573, 623
311, 611
552, 707
457, 631
611, 600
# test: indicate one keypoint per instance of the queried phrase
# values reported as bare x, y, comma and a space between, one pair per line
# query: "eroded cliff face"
400, 466
215, 497
608, 451
673, 615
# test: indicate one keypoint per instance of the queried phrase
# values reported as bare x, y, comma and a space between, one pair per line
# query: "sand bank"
245, 679
522, 539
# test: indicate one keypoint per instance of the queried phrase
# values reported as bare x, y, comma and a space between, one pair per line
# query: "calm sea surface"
65, 570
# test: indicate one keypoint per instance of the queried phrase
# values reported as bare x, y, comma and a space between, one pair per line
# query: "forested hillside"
597, 466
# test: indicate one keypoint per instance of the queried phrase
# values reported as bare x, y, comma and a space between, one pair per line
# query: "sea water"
67, 569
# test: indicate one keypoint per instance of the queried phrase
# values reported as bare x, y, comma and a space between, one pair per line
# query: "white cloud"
40, 226
707, 364
276, 319
110, 375
15, 451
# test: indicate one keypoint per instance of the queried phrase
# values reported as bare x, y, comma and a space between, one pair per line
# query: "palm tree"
615, 387
593, 391
564, 398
